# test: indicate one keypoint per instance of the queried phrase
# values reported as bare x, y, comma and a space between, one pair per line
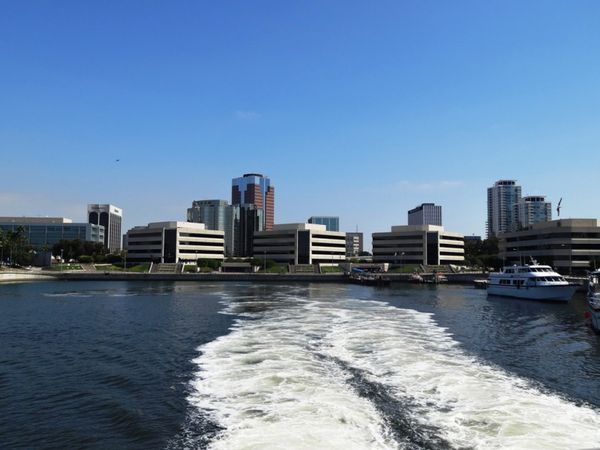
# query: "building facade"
354, 243
569, 245
418, 244
502, 199
43, 232
301, 243
255, 189
111, 218
212, 213
532, 209
332, 223
171, 242
425, 214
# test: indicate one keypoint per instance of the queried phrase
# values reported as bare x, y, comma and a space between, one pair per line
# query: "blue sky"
357, 109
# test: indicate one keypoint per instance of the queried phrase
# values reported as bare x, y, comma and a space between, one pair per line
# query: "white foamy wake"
276, 381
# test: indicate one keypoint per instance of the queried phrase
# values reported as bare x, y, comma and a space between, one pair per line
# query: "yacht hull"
550, 293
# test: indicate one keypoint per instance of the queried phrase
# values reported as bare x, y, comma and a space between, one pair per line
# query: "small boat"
480, 284
593, 299
530, 281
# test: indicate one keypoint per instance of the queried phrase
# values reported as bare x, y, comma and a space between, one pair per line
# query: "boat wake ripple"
353, 374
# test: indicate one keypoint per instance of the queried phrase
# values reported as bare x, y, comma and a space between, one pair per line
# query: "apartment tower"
502, 199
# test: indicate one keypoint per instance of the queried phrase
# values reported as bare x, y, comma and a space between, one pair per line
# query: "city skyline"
406, 104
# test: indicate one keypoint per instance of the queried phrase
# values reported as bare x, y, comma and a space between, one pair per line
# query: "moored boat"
593, 299
530, 281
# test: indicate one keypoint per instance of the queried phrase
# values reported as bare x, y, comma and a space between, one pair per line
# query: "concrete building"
255, 189
170, 242
43, 232
301, 243
354, 243
569, 245
111, 218
425, 214
418, 244
532, 209
332, 223
502, 199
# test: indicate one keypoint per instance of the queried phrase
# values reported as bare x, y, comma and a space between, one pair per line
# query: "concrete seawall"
253, 277
11, 277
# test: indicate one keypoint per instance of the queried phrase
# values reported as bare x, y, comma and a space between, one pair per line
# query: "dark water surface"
192, 365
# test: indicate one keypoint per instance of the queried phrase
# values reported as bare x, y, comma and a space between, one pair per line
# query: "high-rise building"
212, 213
255, 189
533, 209
111, 218
246, 220
501, 200
332, 223
425, 214
217, 215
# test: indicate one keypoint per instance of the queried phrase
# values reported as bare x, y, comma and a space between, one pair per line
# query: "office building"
425, 214
532, 209
111, 218
212, 213
171, 242
301, 243
216, 215
255, 189
43, 232
418, 244
332, 223
246, 221
569, 245
354, 243
502, 199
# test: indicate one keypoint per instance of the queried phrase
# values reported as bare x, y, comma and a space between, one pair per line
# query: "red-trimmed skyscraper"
255, 189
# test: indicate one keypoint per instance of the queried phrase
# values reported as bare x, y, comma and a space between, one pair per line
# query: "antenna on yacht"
558, 207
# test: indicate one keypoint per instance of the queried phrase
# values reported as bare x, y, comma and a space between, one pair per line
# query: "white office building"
301, 243
170, 242
418, 244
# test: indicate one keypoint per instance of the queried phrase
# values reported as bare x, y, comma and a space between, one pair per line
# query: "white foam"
268, 386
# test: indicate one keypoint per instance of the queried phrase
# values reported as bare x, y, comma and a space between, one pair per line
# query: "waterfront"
239, 365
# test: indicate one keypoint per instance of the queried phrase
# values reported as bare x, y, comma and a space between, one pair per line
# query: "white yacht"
593, 296
530, 281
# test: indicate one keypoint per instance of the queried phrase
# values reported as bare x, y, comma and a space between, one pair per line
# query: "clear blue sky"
357, 109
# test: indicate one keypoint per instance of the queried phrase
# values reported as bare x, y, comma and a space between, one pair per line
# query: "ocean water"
295, 366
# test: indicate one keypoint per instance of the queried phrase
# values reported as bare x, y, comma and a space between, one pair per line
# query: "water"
191, 365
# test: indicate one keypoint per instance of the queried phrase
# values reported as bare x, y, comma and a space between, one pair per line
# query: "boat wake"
314, 373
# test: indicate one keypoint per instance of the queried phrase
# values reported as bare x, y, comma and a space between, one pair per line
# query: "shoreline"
456, 278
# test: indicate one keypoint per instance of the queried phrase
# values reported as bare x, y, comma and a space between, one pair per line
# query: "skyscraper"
332, 223
110, 217
425, 214
255, 189
216, 215
209, 212
533, 209
502, 198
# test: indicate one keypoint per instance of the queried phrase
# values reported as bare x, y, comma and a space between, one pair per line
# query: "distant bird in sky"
558, 207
